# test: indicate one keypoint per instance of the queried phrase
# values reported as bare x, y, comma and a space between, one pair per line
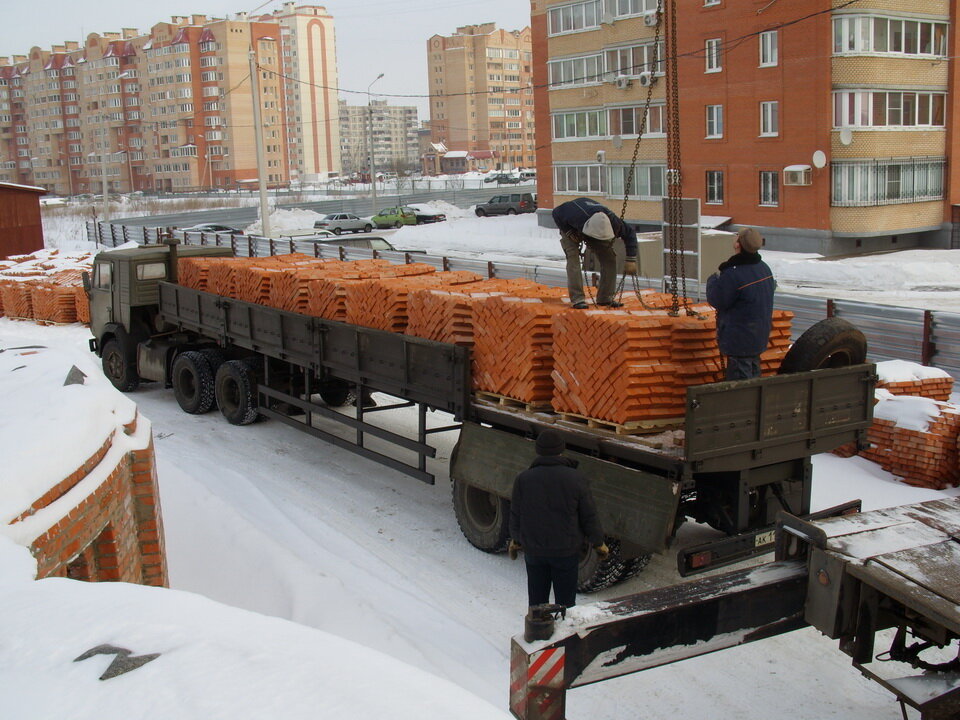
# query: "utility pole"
258, 138
373, 170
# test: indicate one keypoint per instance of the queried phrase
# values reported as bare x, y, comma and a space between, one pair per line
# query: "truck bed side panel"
633, 505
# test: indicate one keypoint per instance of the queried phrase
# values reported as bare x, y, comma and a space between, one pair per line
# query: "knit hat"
549, 442
598, 226
749, 240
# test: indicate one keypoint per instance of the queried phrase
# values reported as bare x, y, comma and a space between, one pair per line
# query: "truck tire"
633, 566
337, 393
117, 367
830, 343
236, 392
193, 382
482, 516
215, 358
596, 574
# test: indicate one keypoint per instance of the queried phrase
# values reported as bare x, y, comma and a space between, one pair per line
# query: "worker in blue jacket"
585, 221
742, 293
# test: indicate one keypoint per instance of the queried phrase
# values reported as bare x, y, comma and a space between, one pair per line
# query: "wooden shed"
21, 231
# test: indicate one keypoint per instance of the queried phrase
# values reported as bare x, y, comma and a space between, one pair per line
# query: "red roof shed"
21, 231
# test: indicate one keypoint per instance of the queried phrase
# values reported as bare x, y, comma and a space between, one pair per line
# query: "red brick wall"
115, 533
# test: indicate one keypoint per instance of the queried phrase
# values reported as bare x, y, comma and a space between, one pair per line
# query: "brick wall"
113, 532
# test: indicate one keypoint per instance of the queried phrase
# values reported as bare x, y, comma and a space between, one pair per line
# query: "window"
579, 179
866, 108
769, 187
714, 187
575, 71
635, 60
713, 55
649, 181
629, 121
588, 123
623, 8
769, 119
151, 271
574, 18
887, 181
769, 48
856, 34
102, 274
714, 121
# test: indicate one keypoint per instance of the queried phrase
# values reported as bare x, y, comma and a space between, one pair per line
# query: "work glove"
513, 548
602, 551
630, 266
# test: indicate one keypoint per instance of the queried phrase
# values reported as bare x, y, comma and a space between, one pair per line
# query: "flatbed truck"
744, 455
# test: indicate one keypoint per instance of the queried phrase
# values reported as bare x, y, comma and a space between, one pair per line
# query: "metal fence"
923, 336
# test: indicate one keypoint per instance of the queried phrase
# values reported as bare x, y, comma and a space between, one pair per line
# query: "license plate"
765, 538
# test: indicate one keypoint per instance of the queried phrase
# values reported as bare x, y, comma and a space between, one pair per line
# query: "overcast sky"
373, 37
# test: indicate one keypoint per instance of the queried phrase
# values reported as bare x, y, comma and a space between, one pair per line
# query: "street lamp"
373, 170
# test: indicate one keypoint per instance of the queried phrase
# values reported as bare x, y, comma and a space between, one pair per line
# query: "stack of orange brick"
383, 303
900, 377
915, 439
513, 347
17, 300
327, 296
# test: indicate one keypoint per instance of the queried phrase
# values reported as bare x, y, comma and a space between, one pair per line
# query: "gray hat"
598, 226
549, 442
750, 240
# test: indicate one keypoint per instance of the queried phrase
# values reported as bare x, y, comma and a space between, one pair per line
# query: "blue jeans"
742, 368
560, 572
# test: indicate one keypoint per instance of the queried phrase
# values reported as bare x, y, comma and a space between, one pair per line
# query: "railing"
923, 336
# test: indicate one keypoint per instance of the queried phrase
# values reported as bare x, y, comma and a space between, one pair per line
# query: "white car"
338, 222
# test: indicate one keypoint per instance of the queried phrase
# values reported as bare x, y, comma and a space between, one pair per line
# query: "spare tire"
830, 343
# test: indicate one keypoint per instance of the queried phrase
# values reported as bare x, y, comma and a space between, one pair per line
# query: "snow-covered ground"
270, 520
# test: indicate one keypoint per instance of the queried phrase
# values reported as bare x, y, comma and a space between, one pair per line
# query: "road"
244, 216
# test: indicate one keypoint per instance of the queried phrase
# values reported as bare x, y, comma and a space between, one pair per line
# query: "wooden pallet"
634, 427
504, 401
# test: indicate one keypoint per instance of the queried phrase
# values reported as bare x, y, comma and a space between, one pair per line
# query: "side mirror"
86, 281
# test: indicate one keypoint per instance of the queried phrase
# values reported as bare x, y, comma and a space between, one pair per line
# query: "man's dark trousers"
560, 572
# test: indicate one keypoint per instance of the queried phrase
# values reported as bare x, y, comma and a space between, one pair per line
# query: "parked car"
426, 215
395, 217
510, 204
502, 179
338, 222
212, 228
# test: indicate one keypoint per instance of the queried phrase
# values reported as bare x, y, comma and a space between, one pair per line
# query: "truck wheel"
337, 394
482, 516
633, 566
236, 392
596, 574
193, 382
119, 371
830, 343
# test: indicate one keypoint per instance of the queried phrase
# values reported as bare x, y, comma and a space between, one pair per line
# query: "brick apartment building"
396, 143
825, 124
480, 94
172, 109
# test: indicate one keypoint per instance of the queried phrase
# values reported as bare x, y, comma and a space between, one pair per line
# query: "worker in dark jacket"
551, 512
585, 221
742, 293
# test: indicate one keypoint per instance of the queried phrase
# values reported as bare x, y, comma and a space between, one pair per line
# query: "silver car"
338, 222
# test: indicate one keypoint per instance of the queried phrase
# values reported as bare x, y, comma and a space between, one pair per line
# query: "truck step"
505, 401
633, 427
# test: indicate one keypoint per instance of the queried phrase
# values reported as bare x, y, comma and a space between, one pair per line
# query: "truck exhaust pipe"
173, 257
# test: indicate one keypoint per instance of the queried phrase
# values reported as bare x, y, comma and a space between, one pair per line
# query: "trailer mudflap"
633, 505
746, 423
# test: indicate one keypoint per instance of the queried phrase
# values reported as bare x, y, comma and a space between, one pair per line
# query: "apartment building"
481, 97
171, 110
826, 124
395, 132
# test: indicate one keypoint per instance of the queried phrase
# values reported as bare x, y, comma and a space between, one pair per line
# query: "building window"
714, 187
582, 124
586, 179
713, 55
854, 34
649, 182
708, 3
632, 61
866, 108
769, 119
628, 121
769, 48
575, 71
769, 188
625, 8
887, 181
575, 17
714, 121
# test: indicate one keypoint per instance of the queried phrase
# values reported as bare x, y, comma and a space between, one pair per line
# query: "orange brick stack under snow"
620, 366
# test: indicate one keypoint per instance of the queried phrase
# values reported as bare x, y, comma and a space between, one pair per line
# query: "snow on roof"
456, 154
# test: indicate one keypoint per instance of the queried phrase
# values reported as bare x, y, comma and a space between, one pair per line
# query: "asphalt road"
244, 216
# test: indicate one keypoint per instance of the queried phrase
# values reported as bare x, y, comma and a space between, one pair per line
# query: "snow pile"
901, 377
441, 206
286, 221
